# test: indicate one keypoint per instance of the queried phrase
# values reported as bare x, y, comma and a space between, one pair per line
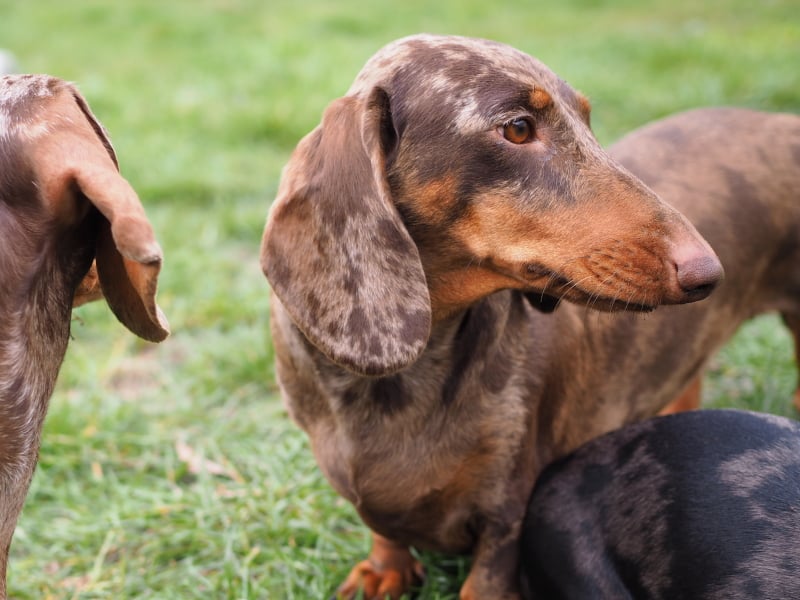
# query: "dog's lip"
560, 286
576, 295
607, 304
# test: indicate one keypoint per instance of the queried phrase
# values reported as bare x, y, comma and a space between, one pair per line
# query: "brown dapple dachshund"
63, 204
453, 193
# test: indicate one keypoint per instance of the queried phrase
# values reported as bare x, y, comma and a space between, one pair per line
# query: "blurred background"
172, 471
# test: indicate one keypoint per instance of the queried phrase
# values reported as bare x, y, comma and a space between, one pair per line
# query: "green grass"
205, 99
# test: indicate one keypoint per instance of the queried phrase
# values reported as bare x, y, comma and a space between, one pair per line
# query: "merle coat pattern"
454, 190
63, 205
700, 505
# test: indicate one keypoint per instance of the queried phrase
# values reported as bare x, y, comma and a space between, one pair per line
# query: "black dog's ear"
542, 302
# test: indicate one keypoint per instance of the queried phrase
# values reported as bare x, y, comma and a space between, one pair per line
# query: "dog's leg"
793, 323
19, 451
688, 400
389, 572
494, 572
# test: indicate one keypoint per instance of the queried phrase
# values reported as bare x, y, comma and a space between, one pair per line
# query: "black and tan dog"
699, 505
452, 193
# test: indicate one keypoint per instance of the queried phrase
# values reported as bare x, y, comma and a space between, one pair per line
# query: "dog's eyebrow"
528, 98
540, 99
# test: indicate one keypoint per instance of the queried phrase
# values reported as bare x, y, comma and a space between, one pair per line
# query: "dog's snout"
696, 269
698, 276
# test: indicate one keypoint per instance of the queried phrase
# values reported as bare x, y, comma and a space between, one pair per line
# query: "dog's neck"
35, 305
39, 281
34, 330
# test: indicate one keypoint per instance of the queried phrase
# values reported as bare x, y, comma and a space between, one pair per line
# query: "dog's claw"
376, 583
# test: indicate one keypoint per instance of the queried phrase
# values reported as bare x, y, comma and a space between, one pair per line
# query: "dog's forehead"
467, 84
21, 96
452, 64
17, 90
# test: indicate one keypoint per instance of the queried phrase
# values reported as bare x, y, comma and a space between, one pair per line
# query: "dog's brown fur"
405, 249
62, 204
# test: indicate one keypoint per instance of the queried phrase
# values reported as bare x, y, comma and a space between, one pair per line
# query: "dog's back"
698, 505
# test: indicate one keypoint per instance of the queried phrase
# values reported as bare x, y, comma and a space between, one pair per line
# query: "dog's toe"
376, 583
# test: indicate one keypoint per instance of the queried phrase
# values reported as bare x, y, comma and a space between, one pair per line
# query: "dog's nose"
698, 276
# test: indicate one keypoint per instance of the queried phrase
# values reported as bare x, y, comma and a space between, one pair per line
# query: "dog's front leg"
389, 572
494, 572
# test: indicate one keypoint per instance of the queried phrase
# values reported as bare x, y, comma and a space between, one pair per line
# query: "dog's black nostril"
701, 291
698, 277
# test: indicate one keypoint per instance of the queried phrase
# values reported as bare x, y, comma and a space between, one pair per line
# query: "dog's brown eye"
518, 131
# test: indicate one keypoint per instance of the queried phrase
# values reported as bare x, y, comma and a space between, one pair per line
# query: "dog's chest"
419, 453
422, 486
419, 468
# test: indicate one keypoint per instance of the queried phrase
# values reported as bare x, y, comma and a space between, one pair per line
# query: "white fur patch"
22, 89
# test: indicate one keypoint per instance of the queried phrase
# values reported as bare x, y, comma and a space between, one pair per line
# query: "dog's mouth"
607, 304
545, 288
548, 302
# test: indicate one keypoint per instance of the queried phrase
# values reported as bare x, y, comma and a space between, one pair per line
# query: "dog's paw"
380, 583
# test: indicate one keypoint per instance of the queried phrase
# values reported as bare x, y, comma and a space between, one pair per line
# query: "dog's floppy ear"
128, 257
335, 250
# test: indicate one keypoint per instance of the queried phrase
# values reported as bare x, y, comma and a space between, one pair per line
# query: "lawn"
172, 471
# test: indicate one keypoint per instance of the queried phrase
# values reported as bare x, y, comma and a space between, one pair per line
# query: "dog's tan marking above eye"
540, 99
585, 107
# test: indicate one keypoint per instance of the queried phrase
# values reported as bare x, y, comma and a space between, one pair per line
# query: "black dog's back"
697, 505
